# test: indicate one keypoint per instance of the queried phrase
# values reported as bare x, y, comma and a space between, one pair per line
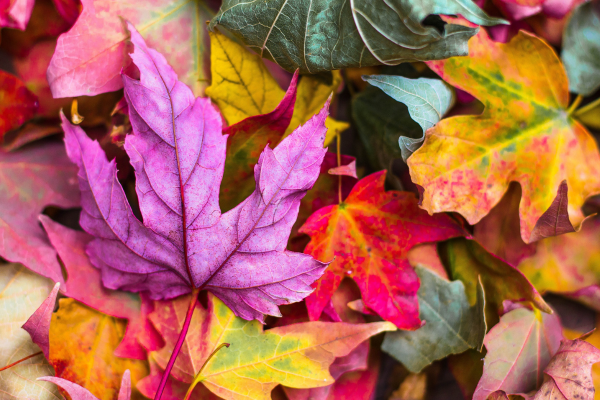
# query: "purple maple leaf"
178, 153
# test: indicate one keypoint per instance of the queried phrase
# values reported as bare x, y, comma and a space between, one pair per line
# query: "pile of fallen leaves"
299, 199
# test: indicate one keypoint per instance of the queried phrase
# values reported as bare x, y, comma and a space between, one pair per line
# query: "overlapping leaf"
519, 348
88, 359
297, 355
17, 103
89, 57
316, 36
525, 135
84, 285
21, 292
38, 324
77, 392
452, 326
427, 101
466, 260
243, 87
30, 180
178, 152
369, 235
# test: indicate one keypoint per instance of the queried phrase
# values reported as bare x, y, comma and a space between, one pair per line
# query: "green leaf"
21, 293
452, 324
581, 49
322, 35
427, 101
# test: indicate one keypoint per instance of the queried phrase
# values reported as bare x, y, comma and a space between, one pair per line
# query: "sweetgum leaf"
524, 135
581, 49
452, 326
369, 235
323, 35
178, 153
30, 180
427, 101
77, 392
21, 292
297, 355
519, 348
89, 57
84, 284
88, 359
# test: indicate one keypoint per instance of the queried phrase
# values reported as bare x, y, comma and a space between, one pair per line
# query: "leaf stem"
573, 106
339, 164
197, 378
179, 344
587, 107
20, 361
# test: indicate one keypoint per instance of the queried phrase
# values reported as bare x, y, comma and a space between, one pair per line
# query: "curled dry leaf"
524, 135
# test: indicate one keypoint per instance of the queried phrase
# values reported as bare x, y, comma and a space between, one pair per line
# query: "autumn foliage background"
299, 199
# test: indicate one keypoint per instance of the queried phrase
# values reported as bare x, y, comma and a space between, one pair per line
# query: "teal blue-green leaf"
427, 101
581, 49
323, 35
452, 326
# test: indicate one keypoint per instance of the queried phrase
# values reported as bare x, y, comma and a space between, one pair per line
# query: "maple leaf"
89, 57
21, 292
185, 242
17, 103
519, 347
84, 284
368, 235
88, 360
467, 260
30, 180
38, 324
77, 392
359, 34
525, 134
297, 355
452, 325
243, 87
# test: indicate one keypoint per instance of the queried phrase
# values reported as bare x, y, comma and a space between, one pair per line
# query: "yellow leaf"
82, 343
297, 355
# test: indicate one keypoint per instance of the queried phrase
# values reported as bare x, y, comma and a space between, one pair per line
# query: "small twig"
573, 106
179, 344
21, 360
197, 378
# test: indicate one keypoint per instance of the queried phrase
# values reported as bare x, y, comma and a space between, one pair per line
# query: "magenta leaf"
178, 153
38, 325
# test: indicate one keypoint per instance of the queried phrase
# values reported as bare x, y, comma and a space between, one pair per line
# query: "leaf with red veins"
84, 284
30, 180
369, 235
17, 103
178, 153
38, 325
